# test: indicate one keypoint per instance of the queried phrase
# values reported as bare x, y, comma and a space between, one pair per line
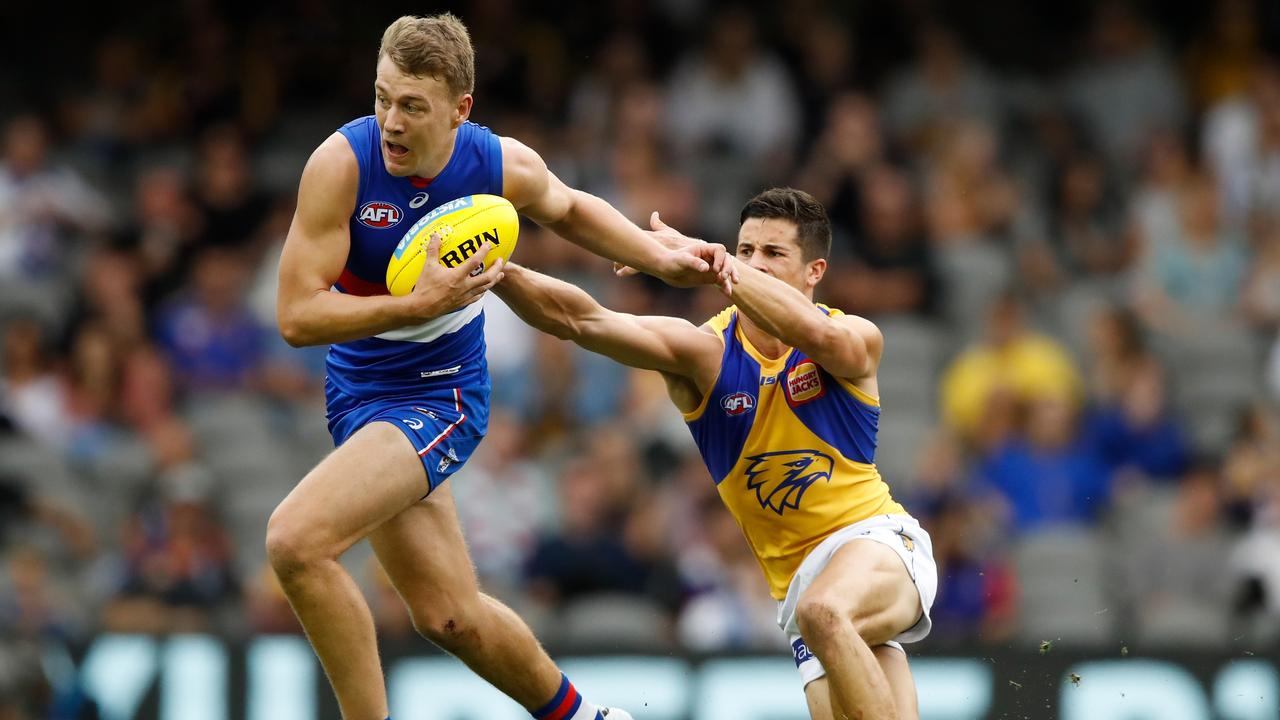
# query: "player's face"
417, 116
771, 246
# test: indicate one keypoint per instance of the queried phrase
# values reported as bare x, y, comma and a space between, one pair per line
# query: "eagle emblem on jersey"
781, 478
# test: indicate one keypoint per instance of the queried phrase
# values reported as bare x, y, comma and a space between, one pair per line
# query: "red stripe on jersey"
419, 182
353, 284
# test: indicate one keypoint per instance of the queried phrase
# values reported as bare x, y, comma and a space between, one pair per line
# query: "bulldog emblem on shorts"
781, 478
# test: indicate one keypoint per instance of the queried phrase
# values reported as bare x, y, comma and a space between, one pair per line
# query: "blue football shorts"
445, 425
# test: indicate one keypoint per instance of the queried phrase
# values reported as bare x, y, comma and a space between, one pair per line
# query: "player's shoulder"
332, 172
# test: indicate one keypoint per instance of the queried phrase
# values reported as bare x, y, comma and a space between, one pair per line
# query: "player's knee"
821, 618
449, 628
288, 549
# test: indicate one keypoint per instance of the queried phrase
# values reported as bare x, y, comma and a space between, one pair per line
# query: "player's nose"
394, 122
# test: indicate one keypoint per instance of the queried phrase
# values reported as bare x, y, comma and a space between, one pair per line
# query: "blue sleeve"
495, 164
359, 146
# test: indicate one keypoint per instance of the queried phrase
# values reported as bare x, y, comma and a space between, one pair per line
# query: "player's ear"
817, 268
463, 109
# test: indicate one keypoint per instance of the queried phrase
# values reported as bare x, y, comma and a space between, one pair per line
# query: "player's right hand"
441, 290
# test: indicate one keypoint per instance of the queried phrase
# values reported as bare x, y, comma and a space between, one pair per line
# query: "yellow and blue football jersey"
791, 449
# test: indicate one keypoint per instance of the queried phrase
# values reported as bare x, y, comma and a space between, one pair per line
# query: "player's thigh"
369, 479
901, 684
866, 581
423, 551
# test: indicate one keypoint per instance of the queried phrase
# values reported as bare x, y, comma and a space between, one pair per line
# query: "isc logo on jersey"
378, 215
738, 403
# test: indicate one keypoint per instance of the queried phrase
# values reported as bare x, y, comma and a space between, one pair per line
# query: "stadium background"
1065, 217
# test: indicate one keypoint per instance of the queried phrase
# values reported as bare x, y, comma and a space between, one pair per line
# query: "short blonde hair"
439, 46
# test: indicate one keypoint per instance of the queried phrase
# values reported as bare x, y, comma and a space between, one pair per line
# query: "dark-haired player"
780, 395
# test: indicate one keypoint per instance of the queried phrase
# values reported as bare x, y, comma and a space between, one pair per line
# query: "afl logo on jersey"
738, 403
804, 383
378, 215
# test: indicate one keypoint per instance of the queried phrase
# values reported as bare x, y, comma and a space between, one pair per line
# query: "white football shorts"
905, 537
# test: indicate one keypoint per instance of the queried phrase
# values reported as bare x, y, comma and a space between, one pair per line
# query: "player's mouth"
396, 151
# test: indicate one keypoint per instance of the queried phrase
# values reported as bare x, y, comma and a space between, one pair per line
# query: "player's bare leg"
896, 670
424, 554
360, 485
901, 683
863, 598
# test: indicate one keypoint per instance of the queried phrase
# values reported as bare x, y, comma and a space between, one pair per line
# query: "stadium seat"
1062, 577
616, 622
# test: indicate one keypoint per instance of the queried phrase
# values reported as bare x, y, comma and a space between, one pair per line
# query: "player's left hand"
690, 261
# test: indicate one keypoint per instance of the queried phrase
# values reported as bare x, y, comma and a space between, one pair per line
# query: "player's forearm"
782, 311
325, 317
596, 225
545, 303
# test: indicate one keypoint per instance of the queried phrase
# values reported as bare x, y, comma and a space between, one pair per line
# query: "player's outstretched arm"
594, 224
650, 342
315, 252
847, 346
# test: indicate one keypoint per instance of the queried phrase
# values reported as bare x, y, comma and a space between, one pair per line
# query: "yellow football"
464, 225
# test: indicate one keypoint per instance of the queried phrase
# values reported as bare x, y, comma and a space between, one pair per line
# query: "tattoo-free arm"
847, 346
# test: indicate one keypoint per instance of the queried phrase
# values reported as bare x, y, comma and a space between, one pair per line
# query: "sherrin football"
464, 225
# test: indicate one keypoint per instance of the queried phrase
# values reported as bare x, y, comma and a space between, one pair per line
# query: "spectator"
1241, 142
1013, 363
1131, 417
943, 88
43, 207
209, 333
1176, 576
891, 271
234, 210
506, 502
33, 395
1083, 226
587, 554
729, 610
734, 97
1196, 276
849, 146
177, 568
977, 596
1050, 473
1126, 86
1222, 58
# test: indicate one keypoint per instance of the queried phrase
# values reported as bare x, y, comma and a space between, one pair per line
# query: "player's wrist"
418, 307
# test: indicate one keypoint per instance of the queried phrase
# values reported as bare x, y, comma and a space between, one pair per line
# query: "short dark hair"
813, 228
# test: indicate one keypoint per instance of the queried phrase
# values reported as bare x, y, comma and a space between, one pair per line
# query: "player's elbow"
293, 334
845, 350
293, 329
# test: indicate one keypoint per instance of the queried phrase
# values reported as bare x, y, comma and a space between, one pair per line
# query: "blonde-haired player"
407, 388
780, 395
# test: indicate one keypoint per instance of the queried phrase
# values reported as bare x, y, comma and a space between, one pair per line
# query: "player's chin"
397, 164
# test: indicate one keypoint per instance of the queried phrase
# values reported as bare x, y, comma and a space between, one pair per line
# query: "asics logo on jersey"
738, 403
414, 423
378, 215
781, 478
418, 201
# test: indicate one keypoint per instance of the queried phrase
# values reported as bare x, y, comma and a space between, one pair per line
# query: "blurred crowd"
1076, 265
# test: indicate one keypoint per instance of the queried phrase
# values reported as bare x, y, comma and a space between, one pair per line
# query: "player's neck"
768, 345
434, 165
